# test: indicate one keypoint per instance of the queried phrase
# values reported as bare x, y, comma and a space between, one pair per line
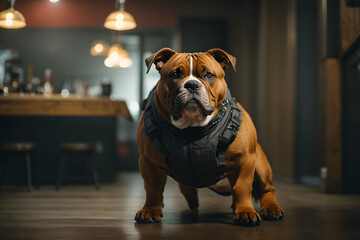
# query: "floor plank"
80, 212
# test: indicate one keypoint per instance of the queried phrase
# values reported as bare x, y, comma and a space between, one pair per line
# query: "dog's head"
191, 86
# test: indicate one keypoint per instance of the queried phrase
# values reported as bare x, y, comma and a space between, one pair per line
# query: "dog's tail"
223, 187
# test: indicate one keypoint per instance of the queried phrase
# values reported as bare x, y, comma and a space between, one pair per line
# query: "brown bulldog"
194, 131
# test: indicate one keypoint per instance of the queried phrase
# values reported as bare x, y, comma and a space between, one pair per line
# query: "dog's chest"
194, 163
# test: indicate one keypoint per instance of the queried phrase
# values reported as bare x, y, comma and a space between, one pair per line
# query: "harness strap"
230, 132
153, 131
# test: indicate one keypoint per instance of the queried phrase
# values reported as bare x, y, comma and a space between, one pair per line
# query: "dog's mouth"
191, 105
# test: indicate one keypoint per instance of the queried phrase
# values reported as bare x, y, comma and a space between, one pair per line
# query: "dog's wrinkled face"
192, 86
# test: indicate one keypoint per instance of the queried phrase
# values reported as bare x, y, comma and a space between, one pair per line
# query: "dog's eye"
209, 76
175, 75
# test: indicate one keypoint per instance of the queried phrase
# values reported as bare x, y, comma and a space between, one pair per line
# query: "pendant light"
120, 20
99, 48
117, 57
12, 19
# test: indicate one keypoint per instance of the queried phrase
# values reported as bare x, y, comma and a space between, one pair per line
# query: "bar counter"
56, 105
49, 121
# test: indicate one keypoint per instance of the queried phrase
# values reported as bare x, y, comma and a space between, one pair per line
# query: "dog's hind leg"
270, 209
191, 196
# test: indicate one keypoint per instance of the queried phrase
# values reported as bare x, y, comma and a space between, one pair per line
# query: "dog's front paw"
247, 217
149, 215
271, 212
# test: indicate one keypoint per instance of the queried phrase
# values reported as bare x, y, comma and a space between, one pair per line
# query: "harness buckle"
222, 145
221, 160
236, 118
151, 128
152, 131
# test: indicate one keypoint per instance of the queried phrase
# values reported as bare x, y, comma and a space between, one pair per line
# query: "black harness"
195, 156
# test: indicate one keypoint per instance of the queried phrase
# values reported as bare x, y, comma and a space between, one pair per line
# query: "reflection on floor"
80, 212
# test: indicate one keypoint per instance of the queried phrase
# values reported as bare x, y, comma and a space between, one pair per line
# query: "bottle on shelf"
106, 87
29, 88
48, 88
13, 78
37, 86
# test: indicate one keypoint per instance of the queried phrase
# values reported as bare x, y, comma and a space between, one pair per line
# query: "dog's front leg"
241, 179
154, 183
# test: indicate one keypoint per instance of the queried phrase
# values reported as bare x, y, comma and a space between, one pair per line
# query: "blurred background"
297, 74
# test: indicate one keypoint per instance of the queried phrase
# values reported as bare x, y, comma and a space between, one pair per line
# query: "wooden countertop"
56, 105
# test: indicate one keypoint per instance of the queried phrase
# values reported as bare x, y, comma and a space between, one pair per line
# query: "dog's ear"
159, 58
222, 57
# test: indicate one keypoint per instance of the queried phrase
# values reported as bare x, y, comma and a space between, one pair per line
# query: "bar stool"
68, 149
24, 148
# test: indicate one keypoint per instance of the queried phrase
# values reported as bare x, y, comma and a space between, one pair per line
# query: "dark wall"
274, 84
351, 121
200, 35
306, 89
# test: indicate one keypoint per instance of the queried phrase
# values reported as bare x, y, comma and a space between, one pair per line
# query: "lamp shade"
12, 19
120, 20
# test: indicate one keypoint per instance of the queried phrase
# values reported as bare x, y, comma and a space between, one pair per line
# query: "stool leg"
60, 172
28, 170
4, 171
35, 174
94, 171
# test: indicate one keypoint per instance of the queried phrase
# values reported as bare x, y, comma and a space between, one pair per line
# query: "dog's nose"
192, 85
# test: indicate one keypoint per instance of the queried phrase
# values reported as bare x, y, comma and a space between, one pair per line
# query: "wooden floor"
80, 212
